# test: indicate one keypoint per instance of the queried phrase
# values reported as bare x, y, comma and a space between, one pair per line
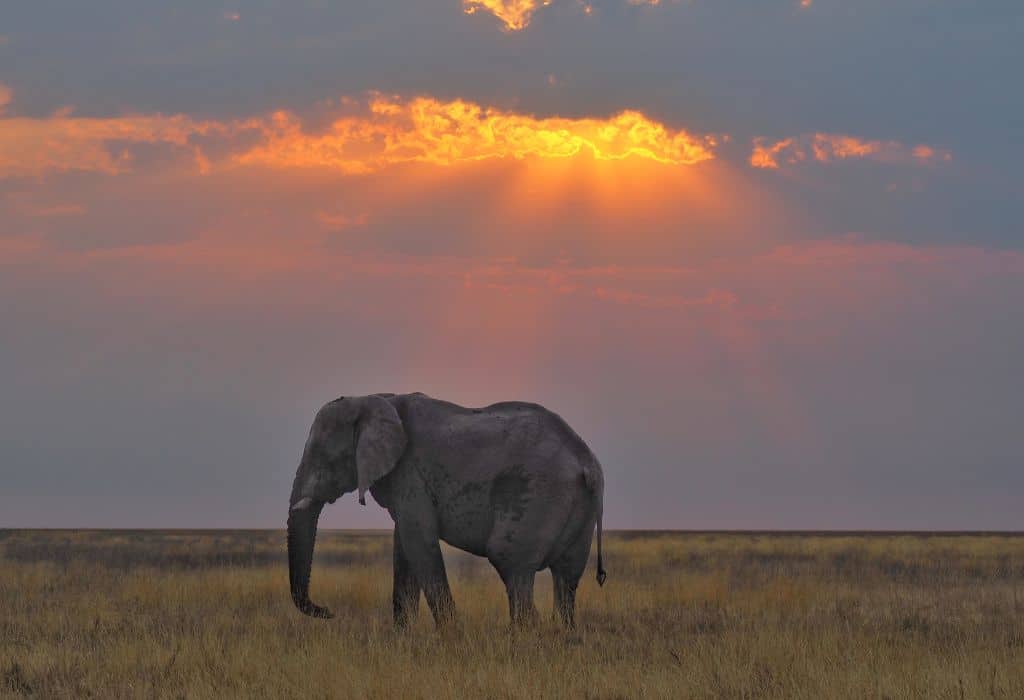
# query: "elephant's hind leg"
565, 597
530, 513
567, 570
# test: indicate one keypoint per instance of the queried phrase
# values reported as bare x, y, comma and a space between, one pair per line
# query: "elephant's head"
353, 442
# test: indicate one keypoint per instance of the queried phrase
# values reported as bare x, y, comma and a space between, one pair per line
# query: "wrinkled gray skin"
511, 482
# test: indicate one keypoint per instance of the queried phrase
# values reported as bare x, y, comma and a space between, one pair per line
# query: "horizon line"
628, 531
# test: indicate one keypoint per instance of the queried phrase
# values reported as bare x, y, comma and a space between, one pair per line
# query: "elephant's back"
549, 427
480, 444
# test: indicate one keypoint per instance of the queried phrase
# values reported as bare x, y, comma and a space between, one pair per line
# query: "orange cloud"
390, 131
514, 14
426, 130
826, 148
5, 97
32, 147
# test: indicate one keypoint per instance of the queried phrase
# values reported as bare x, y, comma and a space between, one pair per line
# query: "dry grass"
207, 614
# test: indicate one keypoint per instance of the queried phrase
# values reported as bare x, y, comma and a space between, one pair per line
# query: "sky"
765, 257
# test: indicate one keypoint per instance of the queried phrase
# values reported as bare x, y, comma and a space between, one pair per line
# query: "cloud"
62, 142
638, 286
826, 148
427, 130
769, 285
515, 15
387, 131
339, 221
383, 131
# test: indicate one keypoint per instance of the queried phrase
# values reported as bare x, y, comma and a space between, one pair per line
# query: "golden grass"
207, 614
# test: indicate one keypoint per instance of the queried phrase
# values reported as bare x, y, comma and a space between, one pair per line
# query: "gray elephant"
511, 482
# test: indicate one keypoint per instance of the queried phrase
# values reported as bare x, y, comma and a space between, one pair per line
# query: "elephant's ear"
380, 442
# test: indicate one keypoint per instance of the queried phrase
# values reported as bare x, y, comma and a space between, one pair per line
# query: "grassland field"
206, 614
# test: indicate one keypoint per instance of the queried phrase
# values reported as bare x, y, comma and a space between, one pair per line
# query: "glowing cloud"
514, 14
826, 148
387, 131
426, 130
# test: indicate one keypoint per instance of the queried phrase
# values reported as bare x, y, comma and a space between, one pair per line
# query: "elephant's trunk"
301, 537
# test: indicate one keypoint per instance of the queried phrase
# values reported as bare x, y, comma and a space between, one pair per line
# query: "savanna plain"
197, 614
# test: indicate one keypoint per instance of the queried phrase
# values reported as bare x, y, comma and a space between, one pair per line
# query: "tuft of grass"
207, 614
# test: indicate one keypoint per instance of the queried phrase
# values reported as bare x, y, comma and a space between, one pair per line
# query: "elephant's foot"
526, 620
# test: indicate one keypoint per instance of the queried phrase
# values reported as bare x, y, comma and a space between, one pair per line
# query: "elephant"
511, 482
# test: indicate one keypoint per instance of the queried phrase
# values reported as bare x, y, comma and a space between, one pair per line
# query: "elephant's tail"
601, 573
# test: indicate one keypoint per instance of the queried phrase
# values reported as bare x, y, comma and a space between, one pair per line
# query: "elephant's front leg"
406, 596
422, 550
519, 586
